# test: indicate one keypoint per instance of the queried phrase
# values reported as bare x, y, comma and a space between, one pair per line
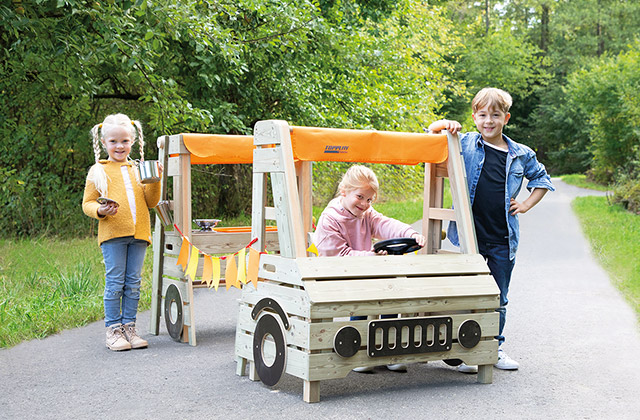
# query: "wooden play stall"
296, 320
172, 294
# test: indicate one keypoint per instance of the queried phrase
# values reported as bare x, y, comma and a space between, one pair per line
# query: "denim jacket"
521, 163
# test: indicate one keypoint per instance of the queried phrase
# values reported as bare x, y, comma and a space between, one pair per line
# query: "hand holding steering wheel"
397, 246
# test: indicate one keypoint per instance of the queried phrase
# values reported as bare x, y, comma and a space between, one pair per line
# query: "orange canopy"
325, 144
219, 148
341, 145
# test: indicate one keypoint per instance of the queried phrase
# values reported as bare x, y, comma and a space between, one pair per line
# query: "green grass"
48, 285
614, 234
581, 181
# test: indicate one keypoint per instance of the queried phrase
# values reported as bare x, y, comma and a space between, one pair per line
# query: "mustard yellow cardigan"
121, 224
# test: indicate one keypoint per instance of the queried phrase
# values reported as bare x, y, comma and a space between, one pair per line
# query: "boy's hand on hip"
516, 207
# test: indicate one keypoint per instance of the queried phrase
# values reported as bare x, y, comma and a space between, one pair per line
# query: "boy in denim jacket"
496, 167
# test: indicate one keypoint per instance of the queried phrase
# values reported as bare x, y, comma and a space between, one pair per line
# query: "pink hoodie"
341, 233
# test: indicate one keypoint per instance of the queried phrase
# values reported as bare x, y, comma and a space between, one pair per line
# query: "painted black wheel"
347, 341
173, 312
469, 334
268, 327
397, 246
453, 362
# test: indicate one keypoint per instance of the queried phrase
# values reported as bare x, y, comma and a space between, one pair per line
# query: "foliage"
48, 285
614, 235
199, 66
608, 94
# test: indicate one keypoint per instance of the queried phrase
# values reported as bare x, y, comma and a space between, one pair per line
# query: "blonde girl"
114, 196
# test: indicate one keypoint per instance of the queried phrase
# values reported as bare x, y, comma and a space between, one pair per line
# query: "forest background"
219, 66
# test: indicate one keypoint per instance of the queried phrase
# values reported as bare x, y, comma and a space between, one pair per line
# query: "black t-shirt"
489, 201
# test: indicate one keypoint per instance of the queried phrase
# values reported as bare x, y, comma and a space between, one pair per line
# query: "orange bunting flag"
242, 266
207, 270
192, 267
231, 272
183, 256
254, 265
215, 273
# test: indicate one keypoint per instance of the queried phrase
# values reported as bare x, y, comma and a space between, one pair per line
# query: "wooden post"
158, 245
460, 197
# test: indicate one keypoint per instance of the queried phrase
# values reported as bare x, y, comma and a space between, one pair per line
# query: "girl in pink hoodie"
348, 225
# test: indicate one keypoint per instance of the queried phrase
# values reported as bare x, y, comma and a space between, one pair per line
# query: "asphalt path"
575, 337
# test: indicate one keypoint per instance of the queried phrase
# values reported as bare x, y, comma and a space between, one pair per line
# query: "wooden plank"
391, 266
441, 214
266, 132
358, 290
292, 202
280, 269
460, 197
304, 174
217, 242
267, 160
297, 335
175, 145
258, 202
173, 166
444, 305
295, 302
321, 334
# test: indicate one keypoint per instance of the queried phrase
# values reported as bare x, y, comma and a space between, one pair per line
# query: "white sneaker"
363, 369
505, 362
467, 368
397, 367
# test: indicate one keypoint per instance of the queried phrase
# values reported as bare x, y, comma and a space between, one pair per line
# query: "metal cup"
163, 210
149, 171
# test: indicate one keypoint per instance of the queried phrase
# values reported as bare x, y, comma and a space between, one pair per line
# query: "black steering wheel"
397, 246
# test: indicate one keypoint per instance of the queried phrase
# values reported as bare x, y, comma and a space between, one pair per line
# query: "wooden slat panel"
217, 242
400, 288
297, 334
391, 265
321, 334
276, 268
297, 361
293, 301
405, 306
331, 365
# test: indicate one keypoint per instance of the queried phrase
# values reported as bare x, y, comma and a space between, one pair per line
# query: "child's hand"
516, 207
452, 126
108, 209
421, 240
381, 252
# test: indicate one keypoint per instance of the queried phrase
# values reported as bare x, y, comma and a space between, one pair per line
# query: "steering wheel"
397, 246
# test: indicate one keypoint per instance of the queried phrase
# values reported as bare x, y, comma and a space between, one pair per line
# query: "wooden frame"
177, 160
312, 298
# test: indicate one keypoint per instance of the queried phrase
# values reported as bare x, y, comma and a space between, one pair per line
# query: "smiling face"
490, 122
359, 200
117, 140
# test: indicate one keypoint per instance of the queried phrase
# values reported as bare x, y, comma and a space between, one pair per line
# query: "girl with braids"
124, 230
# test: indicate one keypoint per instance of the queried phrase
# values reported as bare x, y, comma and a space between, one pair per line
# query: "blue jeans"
123, 259
497, 257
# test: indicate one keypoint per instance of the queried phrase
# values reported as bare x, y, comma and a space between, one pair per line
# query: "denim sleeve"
536, 174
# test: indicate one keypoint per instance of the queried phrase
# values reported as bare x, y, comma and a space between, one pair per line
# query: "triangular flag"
207, 270
215, 272
242, 266
192, 267
254, 266
312, 248
183, 256
231, 272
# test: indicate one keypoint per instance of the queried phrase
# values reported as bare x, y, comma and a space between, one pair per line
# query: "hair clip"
133, 123
100, 125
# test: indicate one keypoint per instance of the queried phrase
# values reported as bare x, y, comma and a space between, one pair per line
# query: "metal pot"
163, 210
149, 171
